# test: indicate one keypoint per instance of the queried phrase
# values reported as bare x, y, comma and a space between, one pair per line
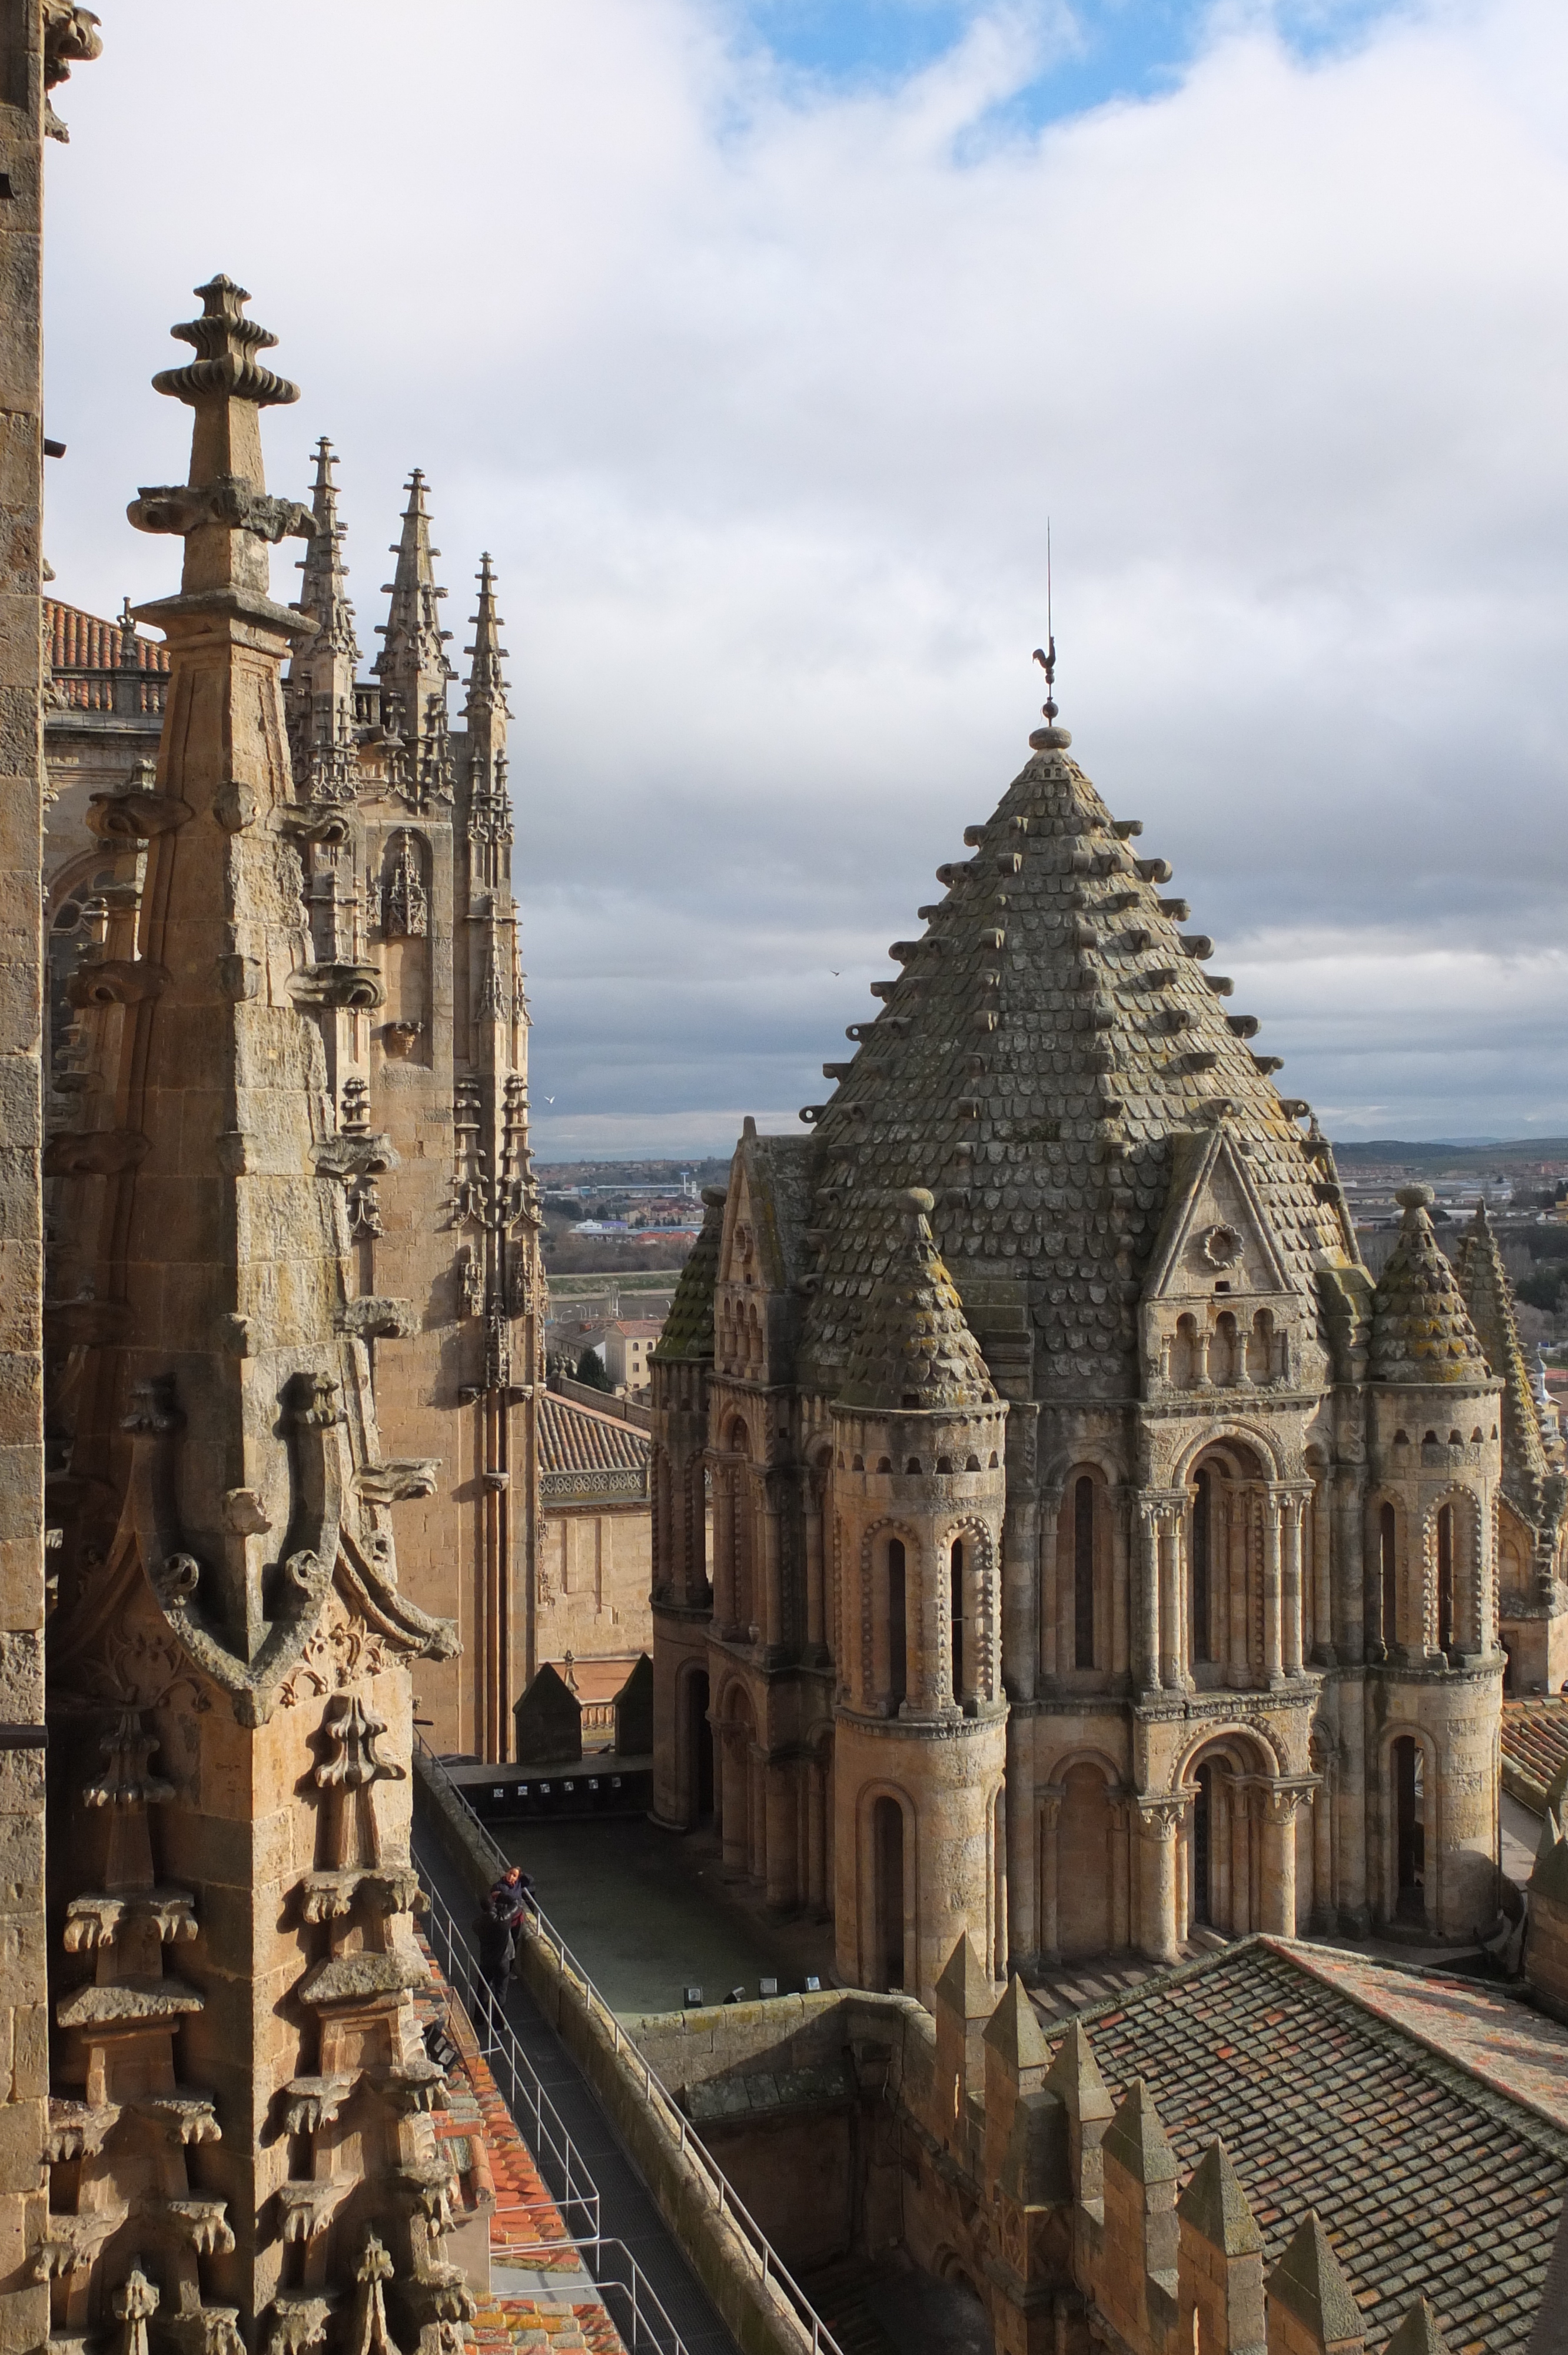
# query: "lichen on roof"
912, 1348
689, 1328
1052, 1028
1421, 1327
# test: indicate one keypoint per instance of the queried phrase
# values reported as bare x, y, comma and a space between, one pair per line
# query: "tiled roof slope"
912, 1348
81, 641
575, 1438
1534, 1747
1053, 1029
1488, 1296
1427, 2178
688, 1330
1421, 1327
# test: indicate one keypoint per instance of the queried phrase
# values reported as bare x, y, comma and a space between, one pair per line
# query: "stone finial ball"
916, 1197
1415, 1198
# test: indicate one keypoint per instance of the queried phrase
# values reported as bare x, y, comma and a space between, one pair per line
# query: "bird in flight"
549, 1098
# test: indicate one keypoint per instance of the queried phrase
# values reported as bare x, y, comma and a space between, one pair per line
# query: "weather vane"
1045, 655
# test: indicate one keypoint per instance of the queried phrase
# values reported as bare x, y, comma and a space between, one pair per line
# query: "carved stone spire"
412, 666
323, 736
489, 806
221, 1562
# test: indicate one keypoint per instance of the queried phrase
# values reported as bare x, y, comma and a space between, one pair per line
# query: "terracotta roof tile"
82, 642
1422, 2117
575, 1438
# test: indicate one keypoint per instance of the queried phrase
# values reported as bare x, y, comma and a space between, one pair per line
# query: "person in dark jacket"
495, 1932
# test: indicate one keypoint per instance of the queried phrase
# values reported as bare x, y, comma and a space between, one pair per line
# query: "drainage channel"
637, 2266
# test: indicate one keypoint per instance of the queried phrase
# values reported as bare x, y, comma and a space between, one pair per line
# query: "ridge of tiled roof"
689, 1328
1426, 2171
574, 1438
1421, 1327
80, 641
1529, 1453
1053, 1029
912, 1348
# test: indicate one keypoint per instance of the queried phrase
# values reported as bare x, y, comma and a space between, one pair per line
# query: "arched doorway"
888, 1909
1224, 1868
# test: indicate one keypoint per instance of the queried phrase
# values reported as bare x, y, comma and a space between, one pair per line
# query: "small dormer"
1219, 1310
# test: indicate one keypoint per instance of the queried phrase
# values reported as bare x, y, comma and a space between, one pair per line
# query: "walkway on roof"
627, 2211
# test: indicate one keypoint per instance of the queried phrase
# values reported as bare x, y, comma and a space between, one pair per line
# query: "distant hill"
1429, 1158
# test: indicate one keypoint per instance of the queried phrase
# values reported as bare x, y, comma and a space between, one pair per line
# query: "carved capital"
232, 500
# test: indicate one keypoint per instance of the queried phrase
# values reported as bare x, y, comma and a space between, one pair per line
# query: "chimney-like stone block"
1134, 2278
1310, 2307
961, 2007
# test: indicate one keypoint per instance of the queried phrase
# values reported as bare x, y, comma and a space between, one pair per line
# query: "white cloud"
761, 393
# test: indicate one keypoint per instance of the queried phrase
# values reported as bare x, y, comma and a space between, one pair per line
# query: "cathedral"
1099, 1556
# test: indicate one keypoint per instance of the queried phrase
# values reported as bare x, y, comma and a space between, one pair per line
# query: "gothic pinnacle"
486, 687
322, 594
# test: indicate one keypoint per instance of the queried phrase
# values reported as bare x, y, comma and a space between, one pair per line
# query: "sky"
759, 339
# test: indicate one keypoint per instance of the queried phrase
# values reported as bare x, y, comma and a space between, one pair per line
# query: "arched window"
1084, 1574
1408, 1766
956, 1614
897, 1625
1202, 1647
887, 1868
1445, 1578
1388, 1576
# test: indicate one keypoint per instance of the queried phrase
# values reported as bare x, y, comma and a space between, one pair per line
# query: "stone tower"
1216, 1432
408, 826
916, 1493
238, 2146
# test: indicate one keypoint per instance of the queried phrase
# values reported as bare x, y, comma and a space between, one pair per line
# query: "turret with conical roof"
1421, 1327
916, 1493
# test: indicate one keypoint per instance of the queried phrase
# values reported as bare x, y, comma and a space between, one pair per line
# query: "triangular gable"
1213, 1209
752, 1206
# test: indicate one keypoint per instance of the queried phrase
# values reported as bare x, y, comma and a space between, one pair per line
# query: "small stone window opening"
1083, 1573
912, 1464
955, 1605
993, 1459
1202, 1524
1446, 1577
1410, 1821
909, 1398
1388, 1577
884, 1462
972, 1464
944, 1463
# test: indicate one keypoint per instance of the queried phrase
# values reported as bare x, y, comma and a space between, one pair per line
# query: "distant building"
596, 1539
625, 1347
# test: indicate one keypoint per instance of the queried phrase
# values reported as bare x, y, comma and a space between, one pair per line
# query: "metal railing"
560, 2164
659, 2100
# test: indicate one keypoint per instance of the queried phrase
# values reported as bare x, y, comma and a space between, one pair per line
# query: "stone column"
1145, 1665
1020, 1557
724, 1545
1170, 1673
1121, 1874
1022, 1925
1238, 1556
1277, 1910
817, 1834
781, 1858
1054, 1582
1292, 1515
1349, 1800
1050, 1799
1121, 1583
1323, 1916
770, 1616
733, 1771
1159, 1931
812, 1490
1273, 1617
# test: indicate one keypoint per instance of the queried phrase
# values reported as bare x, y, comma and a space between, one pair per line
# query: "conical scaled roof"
1053, 1029
912, 1349
688, 1329
1488, 1296
1421, 1328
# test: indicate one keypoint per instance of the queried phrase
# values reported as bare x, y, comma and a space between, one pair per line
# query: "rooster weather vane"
1045, 655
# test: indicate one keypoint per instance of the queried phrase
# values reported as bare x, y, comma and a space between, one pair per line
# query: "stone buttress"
239, 2152
1213, 1436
